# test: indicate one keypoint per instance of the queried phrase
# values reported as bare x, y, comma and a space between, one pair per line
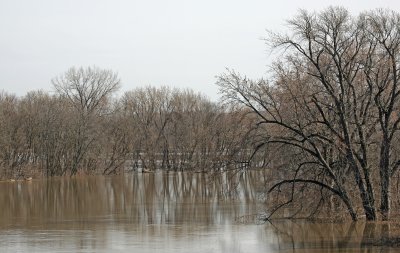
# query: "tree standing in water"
87, 90
333, 101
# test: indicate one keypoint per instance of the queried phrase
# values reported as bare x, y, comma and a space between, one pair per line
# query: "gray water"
160, 212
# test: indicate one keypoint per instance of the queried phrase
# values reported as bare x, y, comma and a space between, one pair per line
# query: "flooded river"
161, 212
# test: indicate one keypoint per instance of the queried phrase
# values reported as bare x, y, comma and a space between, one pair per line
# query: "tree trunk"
385, 179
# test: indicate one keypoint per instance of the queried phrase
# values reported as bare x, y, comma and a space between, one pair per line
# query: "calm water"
159, 212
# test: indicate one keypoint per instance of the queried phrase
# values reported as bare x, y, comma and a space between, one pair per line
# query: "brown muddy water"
161, 212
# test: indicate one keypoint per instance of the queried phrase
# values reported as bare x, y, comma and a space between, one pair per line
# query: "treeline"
325, 123
84, 128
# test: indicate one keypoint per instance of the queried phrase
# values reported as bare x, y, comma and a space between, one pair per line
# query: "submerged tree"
88, 91
333, 104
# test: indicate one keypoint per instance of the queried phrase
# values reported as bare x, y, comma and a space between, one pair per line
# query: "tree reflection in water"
153, 198
165, 212
301, 236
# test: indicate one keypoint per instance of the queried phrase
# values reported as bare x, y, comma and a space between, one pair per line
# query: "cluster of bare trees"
332, 106
326, 122
84, 127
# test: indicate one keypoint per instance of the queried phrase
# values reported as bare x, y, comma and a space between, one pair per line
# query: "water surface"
161, 212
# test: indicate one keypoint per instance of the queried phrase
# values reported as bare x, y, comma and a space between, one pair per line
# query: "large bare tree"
333, 98
88, 91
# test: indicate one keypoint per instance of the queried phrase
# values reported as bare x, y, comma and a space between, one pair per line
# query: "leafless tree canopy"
83, 128
324, 124
87, 88
332, 103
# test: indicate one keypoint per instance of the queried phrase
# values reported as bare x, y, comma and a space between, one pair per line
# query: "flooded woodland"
305, 159
163, 212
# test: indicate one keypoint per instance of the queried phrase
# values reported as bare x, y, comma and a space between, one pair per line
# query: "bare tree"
333, 97
87, 90
382, 74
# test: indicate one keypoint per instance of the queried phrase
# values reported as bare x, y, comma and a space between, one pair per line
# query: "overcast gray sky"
179, 43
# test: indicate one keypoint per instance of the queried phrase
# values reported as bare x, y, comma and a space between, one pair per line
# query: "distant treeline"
84, 128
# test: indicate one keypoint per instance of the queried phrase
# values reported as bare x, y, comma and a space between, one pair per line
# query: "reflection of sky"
151, 238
